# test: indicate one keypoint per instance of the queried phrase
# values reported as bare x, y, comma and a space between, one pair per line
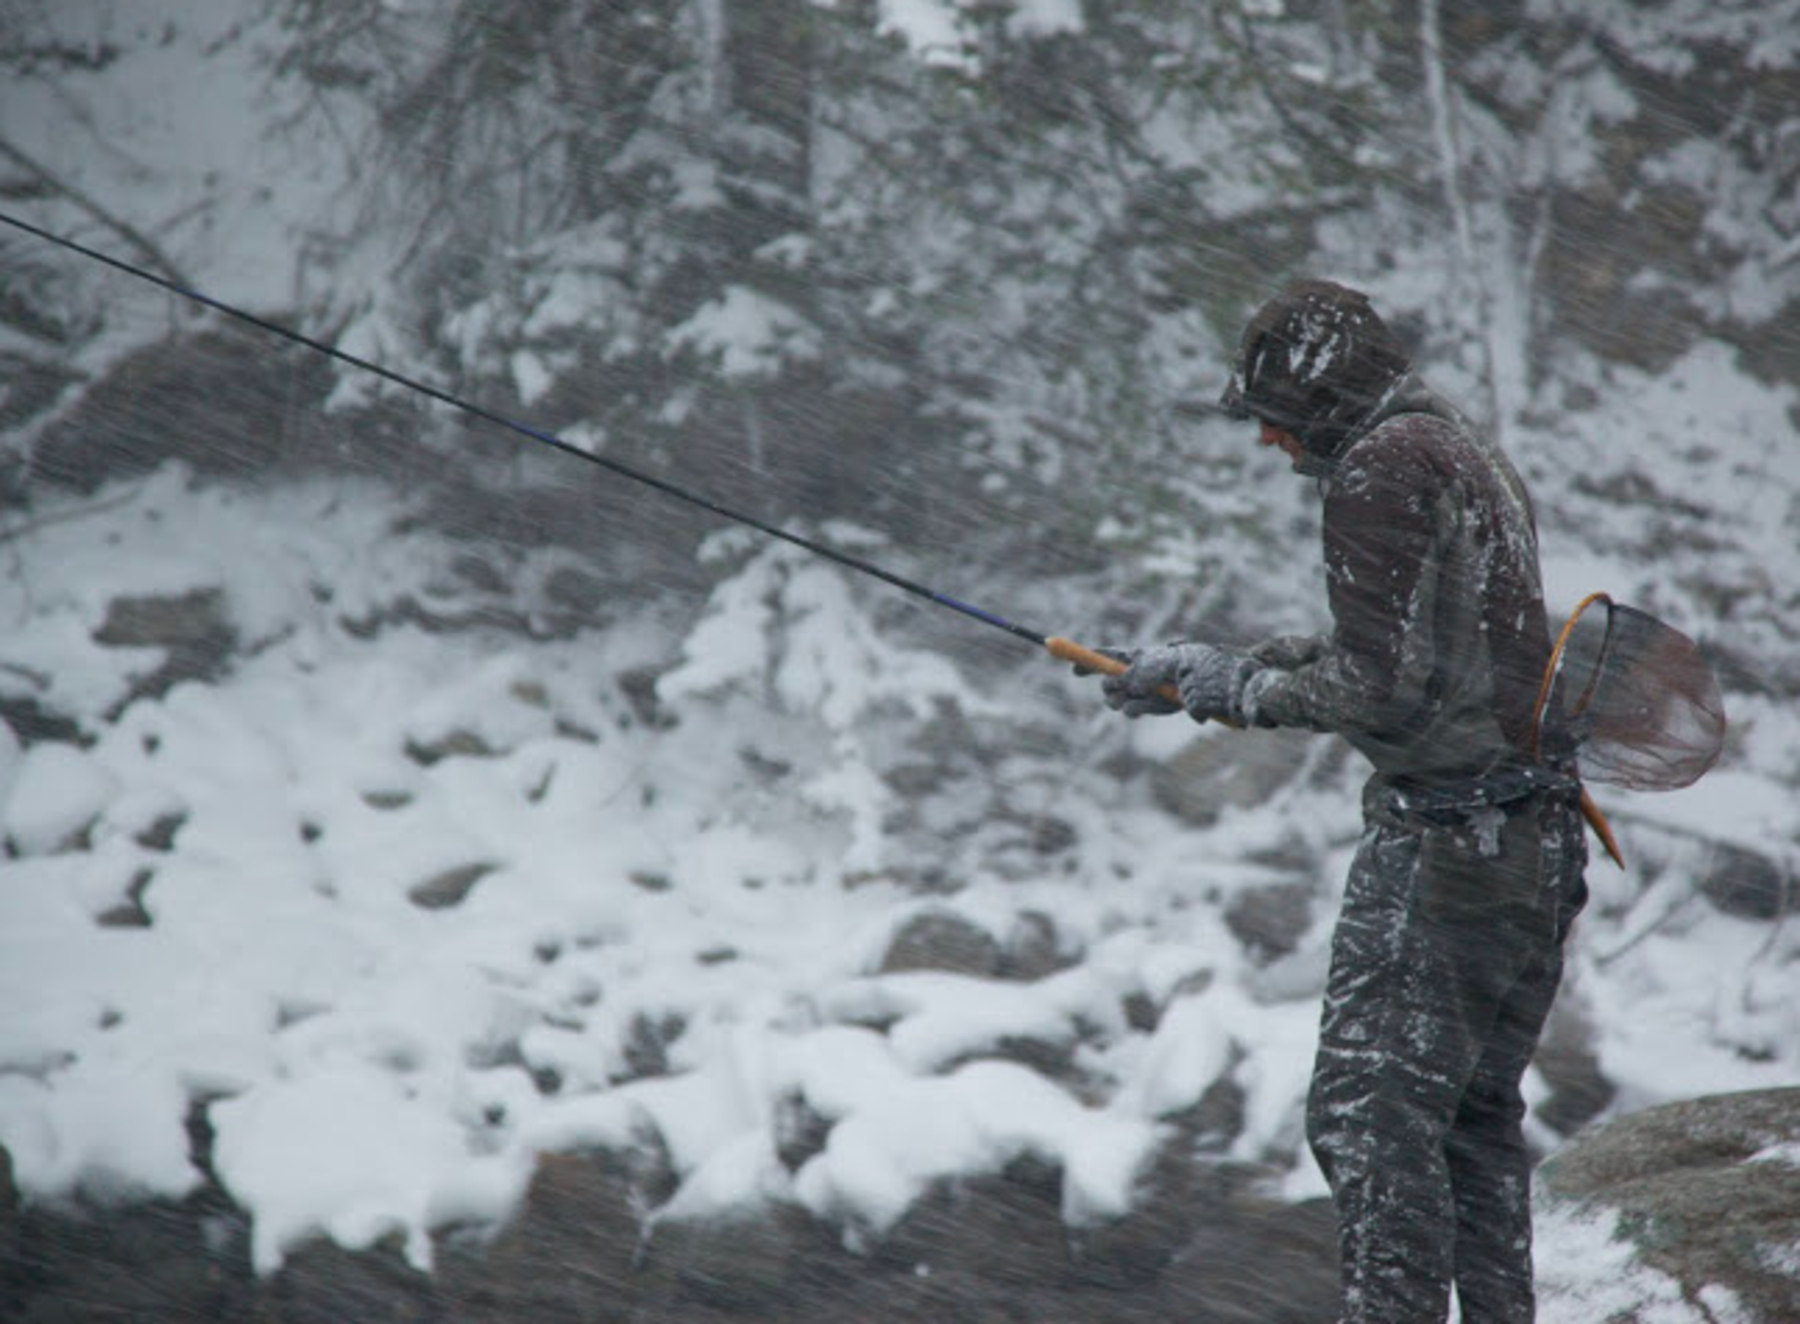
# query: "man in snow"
1448, 949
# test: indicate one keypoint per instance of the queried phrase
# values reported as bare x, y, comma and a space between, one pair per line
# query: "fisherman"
1448, 948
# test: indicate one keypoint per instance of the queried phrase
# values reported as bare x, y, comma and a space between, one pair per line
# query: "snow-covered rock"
1686, 1212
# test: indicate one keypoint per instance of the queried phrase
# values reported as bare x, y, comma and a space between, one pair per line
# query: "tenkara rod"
1064, 649
555, 442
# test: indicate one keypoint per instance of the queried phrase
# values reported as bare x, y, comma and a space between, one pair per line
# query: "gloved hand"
1134, 692
1290, 651
1212, 681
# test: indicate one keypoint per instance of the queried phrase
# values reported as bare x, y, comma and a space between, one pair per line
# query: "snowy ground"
371, 1044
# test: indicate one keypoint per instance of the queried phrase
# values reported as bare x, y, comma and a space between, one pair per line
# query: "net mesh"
1633, 698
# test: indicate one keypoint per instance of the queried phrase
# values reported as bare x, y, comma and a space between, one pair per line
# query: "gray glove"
1288, 651
1212, 682
1134, 692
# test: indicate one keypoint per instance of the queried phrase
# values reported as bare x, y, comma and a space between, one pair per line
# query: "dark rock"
1050, 835
151, 1260
737, 1263
1142, 1012
1565, 1058
988, 1248
1052, 1058
11, 1259
1005, 1229
1229, 771
942, 940
480, 574
160, 835
1033, 949
322, 1283
1216, 1119
639, 688
1689, 1199
194, 630
1132, 1251
449, 888
1258, 1261
915, 781
228, 402
1271, 920
571, 1252
131, 913
800, 1131
33, 723
1748, 884
185, 620
578, 593
453, 744
1145, 1013
646, 1048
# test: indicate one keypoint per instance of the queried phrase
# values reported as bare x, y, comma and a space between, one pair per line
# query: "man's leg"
1435, 933
1490, 1166
1390, 1070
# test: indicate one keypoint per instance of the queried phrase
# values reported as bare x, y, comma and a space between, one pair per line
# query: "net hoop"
1553, 668
1631, 699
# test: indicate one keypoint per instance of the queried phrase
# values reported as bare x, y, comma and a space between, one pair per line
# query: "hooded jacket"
1439, 635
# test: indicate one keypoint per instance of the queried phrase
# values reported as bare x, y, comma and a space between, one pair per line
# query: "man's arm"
1380, 528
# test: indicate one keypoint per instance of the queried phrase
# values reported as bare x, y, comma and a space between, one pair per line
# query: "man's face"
1285, 441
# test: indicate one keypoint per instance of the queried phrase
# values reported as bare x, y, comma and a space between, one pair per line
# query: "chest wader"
1444, 965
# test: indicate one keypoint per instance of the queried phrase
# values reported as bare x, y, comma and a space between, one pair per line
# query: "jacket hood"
1317, 361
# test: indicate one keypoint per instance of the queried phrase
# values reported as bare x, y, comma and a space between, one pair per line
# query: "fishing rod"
1059, 647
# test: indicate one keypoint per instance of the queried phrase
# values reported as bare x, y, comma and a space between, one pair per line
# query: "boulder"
230, 402
570, 1253
1033, 948
1005, 1229
1256, 1260
943, 940
322, 1283
735, 1263
1706, 1191
1748, 884
1230, 770
1270, 920
194, 631
1567, 1062
152, 1259
1175, 1193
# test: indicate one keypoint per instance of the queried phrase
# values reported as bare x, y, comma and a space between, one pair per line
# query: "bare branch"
123, 228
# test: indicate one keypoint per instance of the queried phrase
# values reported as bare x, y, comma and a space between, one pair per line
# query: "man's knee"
1341, 1122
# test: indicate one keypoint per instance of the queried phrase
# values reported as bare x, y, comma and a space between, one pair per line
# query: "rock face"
1707, 1191
984, 1250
